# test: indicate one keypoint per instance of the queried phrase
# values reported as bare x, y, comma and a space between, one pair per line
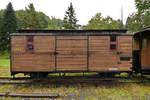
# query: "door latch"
119, 52
55, 53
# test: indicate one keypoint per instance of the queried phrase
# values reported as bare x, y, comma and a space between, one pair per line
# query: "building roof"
145, 30
73, 32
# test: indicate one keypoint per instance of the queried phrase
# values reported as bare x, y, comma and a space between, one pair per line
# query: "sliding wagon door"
44, 51
71, 53
125, 48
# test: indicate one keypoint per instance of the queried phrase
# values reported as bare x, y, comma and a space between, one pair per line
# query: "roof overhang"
71, 31
142, 32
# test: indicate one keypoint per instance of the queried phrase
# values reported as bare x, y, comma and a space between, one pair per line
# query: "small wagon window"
113, 38
30, 38
30, 45
112, 46
113, 42
144, 44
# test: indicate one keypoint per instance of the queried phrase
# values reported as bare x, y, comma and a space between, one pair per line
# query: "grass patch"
4, 63
4, 67
4, 55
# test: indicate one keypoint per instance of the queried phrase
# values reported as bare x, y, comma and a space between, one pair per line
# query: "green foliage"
4, 55
5, 63
43, 20
99, 22
1, 16
55, 23
70, 19
136, 21
142, 5
8, 26
141, 18
20, 14
30, 19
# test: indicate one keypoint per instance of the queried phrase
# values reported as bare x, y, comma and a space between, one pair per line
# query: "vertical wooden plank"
72, 53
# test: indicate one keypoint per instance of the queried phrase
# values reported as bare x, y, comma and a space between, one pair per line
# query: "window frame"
113, 42
144, 46
29, 43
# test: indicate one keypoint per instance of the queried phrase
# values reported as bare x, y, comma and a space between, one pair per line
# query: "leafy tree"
55, 23
99, 22
41, 19
20, 14
136, 21
141, 18
70, 19
133, 22
30, 19
142, 5
9, 25
1, 17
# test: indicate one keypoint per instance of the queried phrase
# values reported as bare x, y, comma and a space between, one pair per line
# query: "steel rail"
75, 81
29, 95
61, 77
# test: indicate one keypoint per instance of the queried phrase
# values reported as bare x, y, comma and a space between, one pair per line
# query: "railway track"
29, 95
73, 80
66, 77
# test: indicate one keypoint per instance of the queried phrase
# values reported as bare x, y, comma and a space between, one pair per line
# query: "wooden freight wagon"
141, 52
45, 51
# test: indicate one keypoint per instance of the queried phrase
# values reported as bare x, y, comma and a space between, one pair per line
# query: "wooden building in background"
52, 51
141, 51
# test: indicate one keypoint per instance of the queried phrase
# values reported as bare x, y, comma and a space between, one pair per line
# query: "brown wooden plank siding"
136, 44
33, 62
101, 58
125, 47
72, 53
18, 44
40, 60
145, 54
44, 44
